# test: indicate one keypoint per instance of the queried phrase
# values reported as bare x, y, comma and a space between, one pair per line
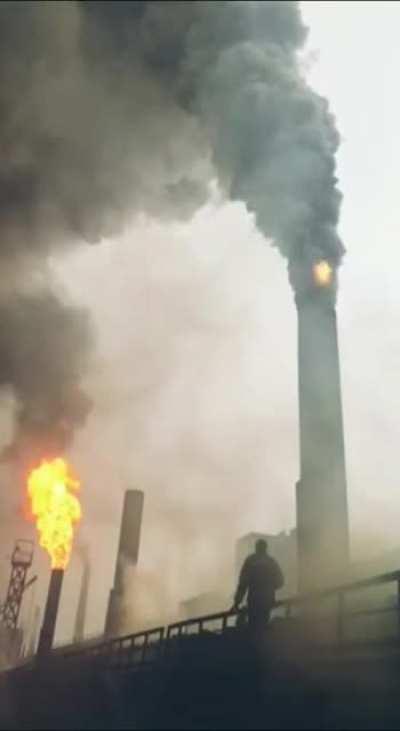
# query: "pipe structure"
321, 493
50, 613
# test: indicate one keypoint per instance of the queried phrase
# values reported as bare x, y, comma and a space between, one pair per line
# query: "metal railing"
136, 650
214, 623
343, 614
127, 651
338, 615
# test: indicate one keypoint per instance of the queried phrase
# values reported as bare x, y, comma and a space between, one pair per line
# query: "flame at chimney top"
55, 507
322, 273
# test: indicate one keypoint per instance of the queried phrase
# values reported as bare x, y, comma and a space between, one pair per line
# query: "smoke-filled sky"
112, 110
193, 376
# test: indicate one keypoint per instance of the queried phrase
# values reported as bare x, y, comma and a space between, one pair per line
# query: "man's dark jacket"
260, 577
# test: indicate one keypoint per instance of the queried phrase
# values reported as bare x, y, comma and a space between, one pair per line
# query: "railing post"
340, 617
398, 604
144, 647
161, 643
132, 650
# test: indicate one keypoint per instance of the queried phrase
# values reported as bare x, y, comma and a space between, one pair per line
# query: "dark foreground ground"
214, 682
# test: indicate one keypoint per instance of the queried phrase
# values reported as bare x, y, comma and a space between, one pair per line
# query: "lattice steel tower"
21, 561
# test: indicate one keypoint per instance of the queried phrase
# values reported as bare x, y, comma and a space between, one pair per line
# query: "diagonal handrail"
141, 647
340, 591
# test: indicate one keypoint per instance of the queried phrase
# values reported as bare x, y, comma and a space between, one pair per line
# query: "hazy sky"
194, 377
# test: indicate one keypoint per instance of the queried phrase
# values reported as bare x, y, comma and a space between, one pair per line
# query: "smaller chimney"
34, 632
128, 553
79, 630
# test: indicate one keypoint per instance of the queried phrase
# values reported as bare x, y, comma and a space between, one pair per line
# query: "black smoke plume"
109, 109
43, 351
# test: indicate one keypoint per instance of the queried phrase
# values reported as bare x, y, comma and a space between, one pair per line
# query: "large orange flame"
55, 507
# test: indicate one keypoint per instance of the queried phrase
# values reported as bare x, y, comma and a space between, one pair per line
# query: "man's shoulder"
266, 560
249, 561
273, 562
251, 558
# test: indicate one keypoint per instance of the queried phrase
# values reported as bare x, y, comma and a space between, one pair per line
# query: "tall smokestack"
321, 499
50, 613
128, 554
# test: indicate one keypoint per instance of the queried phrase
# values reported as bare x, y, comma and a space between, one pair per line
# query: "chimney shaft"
79, 629
321, 499
50, 613
34, 631
128, 552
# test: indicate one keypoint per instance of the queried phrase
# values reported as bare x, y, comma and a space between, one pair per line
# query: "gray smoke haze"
109, 109
184, 409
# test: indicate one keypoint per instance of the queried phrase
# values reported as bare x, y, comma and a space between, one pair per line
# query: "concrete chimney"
128, 554
321, 495
79, 629
33, 639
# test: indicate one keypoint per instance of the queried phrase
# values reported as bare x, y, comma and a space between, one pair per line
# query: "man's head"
261, 546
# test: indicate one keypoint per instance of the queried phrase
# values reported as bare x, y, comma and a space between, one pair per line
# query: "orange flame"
323, 273
56, 509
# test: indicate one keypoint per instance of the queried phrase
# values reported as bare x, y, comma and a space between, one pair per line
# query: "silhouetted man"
260, 578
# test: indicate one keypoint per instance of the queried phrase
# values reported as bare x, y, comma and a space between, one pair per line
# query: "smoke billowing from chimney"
110, 109
233, 67
43, 345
